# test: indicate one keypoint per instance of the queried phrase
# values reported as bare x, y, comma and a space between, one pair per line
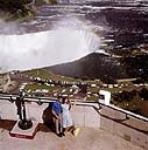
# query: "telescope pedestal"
28, 134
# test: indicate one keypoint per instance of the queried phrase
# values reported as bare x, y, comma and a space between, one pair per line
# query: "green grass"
92, 98
69, 79
47, 75
112, 90
93, 90
41, 73
34, 86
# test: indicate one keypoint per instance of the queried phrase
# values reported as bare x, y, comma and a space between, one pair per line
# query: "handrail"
126, 112
91, 104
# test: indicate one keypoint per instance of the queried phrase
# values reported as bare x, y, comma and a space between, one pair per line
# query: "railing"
126, 112
41, 100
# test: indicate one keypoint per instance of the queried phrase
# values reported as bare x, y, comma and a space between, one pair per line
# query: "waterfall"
36, 50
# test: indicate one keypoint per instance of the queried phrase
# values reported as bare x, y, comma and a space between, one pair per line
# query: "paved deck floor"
88, 139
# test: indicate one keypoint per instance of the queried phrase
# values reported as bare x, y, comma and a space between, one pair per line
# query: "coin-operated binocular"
24, 123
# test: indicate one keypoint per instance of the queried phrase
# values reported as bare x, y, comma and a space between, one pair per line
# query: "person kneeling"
57, 117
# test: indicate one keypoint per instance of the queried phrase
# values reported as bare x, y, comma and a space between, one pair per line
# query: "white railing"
97, 105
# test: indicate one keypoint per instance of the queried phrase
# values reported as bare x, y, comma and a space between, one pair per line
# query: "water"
36, 50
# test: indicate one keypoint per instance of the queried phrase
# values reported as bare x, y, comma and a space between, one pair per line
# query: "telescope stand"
24, 133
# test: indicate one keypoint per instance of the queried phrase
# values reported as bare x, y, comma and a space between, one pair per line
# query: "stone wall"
131, 129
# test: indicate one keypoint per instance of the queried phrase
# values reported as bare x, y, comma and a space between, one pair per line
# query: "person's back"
57, 108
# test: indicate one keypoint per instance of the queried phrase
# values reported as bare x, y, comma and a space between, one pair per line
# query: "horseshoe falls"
42, 49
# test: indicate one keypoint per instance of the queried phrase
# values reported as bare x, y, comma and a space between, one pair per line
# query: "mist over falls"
70, 33
36, 50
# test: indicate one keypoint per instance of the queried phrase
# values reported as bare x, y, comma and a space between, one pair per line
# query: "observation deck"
102, 127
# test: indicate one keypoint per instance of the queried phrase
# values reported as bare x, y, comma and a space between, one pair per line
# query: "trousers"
58, 124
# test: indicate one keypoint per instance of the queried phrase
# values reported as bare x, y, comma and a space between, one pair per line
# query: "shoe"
60, 135
76, 131
63, 134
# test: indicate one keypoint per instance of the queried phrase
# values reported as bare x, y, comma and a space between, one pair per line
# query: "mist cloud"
36, 50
